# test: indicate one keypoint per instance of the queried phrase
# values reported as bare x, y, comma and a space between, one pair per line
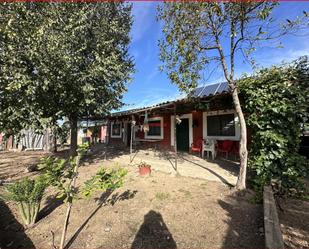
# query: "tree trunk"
65, 225
70, 202
55, 142
243, 153
73, 143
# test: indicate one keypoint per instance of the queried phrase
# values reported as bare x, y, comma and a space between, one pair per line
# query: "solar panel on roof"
209, 90
224, 87
197, 91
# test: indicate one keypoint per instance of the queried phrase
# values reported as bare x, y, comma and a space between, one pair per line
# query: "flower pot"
145, 170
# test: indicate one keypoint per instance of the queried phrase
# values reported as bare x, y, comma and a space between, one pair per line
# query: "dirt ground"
294, 219
160, 211
13, 165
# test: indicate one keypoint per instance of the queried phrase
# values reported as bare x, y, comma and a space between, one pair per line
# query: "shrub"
28, 194
104, 179
275, 101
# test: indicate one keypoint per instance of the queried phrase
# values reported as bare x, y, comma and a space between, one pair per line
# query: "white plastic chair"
210, 146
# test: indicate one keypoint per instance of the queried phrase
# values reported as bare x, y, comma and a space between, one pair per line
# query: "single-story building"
92, 131
207, 114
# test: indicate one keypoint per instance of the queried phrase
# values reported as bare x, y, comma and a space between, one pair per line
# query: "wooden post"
175, 137
131, 138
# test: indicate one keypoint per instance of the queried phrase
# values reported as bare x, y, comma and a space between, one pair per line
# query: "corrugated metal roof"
199, 92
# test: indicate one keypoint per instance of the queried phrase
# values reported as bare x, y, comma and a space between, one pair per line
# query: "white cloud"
142, 19
154, 96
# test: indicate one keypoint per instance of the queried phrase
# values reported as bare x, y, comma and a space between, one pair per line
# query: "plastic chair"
225, 146
210, 146
197, 146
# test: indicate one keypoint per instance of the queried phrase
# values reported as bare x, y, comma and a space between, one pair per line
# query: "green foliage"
162, 196
63, 132
60, 172
62, 60
143, 164
82, 149
105, 179
28, 194
193, 32
276, 100
57, 173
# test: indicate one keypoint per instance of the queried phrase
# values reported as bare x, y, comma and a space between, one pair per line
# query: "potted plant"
144, 168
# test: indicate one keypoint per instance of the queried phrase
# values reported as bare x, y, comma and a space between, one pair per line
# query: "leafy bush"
28, 194
275, 101
105, 179
57, 173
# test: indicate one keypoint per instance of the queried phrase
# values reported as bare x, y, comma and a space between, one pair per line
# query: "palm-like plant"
28, 194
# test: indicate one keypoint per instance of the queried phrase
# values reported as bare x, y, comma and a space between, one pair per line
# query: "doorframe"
188, 116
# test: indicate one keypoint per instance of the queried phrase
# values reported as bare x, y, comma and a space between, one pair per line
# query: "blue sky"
150, 86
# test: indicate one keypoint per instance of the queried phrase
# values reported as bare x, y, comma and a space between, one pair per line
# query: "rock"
2, 182
261, 230
107, 229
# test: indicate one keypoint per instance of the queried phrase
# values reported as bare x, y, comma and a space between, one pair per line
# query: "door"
182, 135
129, 134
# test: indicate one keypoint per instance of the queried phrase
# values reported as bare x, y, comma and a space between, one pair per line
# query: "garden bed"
160, 211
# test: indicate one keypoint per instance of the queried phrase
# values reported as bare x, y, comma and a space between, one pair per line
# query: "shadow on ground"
105, 199
294, 218
153, 233
12, 234
52, 202
245, 222
109, 152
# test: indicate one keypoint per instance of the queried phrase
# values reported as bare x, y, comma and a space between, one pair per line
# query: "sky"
150, 86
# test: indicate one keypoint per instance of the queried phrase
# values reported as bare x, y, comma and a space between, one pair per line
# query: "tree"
74, 60
196, 34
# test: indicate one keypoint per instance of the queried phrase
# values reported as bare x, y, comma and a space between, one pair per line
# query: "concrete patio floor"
219, 170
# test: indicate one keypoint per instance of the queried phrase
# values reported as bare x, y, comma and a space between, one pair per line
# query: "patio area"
219, 170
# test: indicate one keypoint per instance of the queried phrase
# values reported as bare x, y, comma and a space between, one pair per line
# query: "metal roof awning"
200, 92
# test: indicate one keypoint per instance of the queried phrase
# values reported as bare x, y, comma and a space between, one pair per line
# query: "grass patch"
162, 196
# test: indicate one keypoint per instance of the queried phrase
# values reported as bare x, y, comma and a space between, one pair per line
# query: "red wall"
165, 143
197, 117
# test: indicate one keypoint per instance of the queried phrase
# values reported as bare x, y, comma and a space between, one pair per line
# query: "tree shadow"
294, 218
244, 220
52, 202
103, 200
153, 233
12, 234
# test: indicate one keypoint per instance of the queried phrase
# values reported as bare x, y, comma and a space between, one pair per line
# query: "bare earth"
294, 219
160, 211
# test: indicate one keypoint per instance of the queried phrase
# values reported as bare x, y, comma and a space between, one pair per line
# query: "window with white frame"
155, 128
221, 125
116, 130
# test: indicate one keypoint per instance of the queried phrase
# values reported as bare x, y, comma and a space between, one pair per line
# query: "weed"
162, 196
